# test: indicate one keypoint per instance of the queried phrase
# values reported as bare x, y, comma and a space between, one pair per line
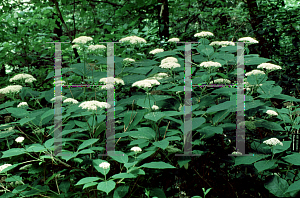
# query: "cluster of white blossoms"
158, 76
59, 97
254, 72
20, 139
154, 107
169, 63
155, 51
203, 34
210, 64
136, 149
248, 40
220, 81
22, 104
82, 39
145, 83
27, 77
60, 82
110, 79
236, 153
174, 40
4, 166
222, 43
133, 40
75, 46
95, 47
70, 100
11, 89
271, 112
93, 105
104, 165
273, 142
269, 66
108, 86
128, 60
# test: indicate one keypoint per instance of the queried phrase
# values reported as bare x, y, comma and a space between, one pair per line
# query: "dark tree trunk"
2, 71
163, 19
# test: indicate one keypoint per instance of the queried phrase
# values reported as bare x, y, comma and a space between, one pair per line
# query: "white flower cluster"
271, 112
269, 66
59, 97
210, 64
27, 77
4, 166
169, 63
222, 43
133, 40
155, 51
273, 142
203, 34
20, 139
104, 165
68, 100
136, 149
22, 104
248, 40
154, 107
128, 60
92, 105
220, 80
116, 80
158, 76
95, 47
75, 46
62, 82
173, 40
11, 89
82, 39
108, 86
254, 72
236, 153
145, 83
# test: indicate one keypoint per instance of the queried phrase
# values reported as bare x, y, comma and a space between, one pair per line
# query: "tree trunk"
163, 19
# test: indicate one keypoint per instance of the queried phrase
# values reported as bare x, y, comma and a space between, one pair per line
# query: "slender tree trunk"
163, 19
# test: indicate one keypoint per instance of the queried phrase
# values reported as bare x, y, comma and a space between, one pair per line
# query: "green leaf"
278, 187
121, 191
249, 159
13, 152
157, 165
50, 112
163, 144
294, 187
144, 103
206, 49
123, 175
154, 116
9, 168
17, 112
120, 157
293, 159
35, 148
268, 91
87, 143
106, 186
89, 185
196, 122
264, 165
25, 120
228, 105
210, 131
255, 60
87, 180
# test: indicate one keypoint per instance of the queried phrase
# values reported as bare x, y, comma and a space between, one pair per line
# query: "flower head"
104, 165
248, 40
169, 59
68, 100
108, 86
62, 82
11, 89
95, 47
133, 40
155, 51
254, 72
203, 34
4, 166
273, 142
271, 112
75, 46
220, 80
154, 107
269, 66
158, 76
20, 139
116, 80
82, 39
27, 77
92, 105
210, 64
222, 43
145, 83
170, 65
136, 149
236, 153
22, 104
173, 40
128, 60
59, 97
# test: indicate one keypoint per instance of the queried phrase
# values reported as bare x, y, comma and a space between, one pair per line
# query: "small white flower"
20, 139
169, 60
203, 34
27, 77
59, 97
269, 66
273, 142
155, 51
237, 153
104, 165
254, 72
133, 40
22, 104
220, 80
82, 39
116, 80
70, 100
154, 107
210, 64
248, 40
4, 166
128, 60
92, 105
95, 47
11, 89
173, 40
145, 83
136, 149
271, 112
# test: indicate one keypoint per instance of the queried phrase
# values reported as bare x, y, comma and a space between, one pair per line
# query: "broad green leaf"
89, 185
249, 159
264, 165
210, 131
50, 112
17, 112
228, 105
268, 91
87, 143
154, 116
144, 103
87, 180
157, 165
9, 168
277, 187
106, 186
255, 60
86, 151
196, 122
119, 156
123, 175
121, 191
25, 120
35, 148
163, 144
6, 133
294, 187
293, 159
13, 152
